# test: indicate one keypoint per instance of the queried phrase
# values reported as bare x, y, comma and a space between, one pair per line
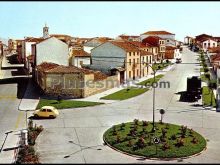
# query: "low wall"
94, 87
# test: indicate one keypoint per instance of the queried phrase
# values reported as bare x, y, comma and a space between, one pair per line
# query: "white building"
94, 42
79, 58
52, 50
208, 43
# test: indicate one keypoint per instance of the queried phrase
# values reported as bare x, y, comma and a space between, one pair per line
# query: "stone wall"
77, 85
94, 87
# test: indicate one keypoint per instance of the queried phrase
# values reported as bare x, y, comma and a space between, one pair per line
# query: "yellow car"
46, 111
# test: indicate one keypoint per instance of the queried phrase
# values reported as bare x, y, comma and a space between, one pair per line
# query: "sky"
110, 19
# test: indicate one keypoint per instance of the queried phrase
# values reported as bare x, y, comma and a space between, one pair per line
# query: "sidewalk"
6, 64
10, 148
97, 97
30, 100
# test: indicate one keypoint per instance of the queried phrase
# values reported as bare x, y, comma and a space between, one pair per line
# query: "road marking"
18, 120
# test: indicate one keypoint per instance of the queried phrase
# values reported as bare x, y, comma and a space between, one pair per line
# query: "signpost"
156, 142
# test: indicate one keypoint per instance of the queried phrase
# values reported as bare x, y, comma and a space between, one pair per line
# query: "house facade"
158, 42
52, 50
79, 57
167, 36
208, 43
72, 81
120, 54
94, 42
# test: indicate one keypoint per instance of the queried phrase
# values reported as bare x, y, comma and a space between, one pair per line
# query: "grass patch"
151, 80
66, 104
125, 93
137, 139
160, 66
208, 97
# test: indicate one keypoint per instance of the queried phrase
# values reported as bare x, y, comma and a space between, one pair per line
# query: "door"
121, 77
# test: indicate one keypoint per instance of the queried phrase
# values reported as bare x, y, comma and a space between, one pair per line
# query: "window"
138, 60
129, 53
129, 61
133, 61
49, 110
43, 110
137, 72
168, 40
147, 59
129, 74
147, 50
134, 53
213, 44
143, 59
150, 60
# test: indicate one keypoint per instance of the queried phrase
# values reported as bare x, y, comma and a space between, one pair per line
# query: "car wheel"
36, 116
51, 116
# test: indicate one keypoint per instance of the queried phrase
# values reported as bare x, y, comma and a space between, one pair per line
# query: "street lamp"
153, 85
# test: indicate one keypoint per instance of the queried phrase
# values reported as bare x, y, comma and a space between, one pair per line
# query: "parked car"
46, 111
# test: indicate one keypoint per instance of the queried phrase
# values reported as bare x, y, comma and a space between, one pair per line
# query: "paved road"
10, 95
76, 129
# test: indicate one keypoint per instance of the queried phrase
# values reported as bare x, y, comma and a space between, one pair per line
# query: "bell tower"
45, 31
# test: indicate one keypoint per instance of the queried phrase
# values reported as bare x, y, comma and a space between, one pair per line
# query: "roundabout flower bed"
136, 138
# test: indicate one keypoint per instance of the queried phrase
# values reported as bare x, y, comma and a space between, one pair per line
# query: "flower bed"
136, 138
27, 153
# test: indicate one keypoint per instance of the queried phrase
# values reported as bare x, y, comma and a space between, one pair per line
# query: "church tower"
46, 31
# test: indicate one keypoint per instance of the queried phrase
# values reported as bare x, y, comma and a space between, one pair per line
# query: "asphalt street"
68, 138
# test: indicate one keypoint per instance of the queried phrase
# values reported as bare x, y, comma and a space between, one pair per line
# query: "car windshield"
49, 110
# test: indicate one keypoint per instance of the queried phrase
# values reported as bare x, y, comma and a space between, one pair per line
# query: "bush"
180, 142
173, 137
145, 123
207, 75
136, 121
141, 142
165, 146
204, 65
194, 140
206, 69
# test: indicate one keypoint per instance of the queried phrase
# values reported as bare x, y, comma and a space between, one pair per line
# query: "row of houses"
203, 41
56, 60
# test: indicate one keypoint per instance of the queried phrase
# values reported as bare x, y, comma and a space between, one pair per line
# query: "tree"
162, 112
212, 85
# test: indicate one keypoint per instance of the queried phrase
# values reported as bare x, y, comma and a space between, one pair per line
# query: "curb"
144, 157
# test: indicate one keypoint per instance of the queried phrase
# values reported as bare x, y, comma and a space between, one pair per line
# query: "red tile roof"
152, 40
170, 48
215, 57
127, 46
158, 33
169, 54
139, 44
55, 68
80, 53
214, 49
46, 66
126, 37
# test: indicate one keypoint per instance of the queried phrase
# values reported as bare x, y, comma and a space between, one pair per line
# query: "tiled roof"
126, 37
55, 68
33, 39
145, 53
127, 46
169, 54
46, 66
139, 44
152, 40
215, 57
158, 33
170, 48
80, 53
214, 50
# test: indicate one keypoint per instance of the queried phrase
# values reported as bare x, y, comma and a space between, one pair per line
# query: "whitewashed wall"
52, 50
